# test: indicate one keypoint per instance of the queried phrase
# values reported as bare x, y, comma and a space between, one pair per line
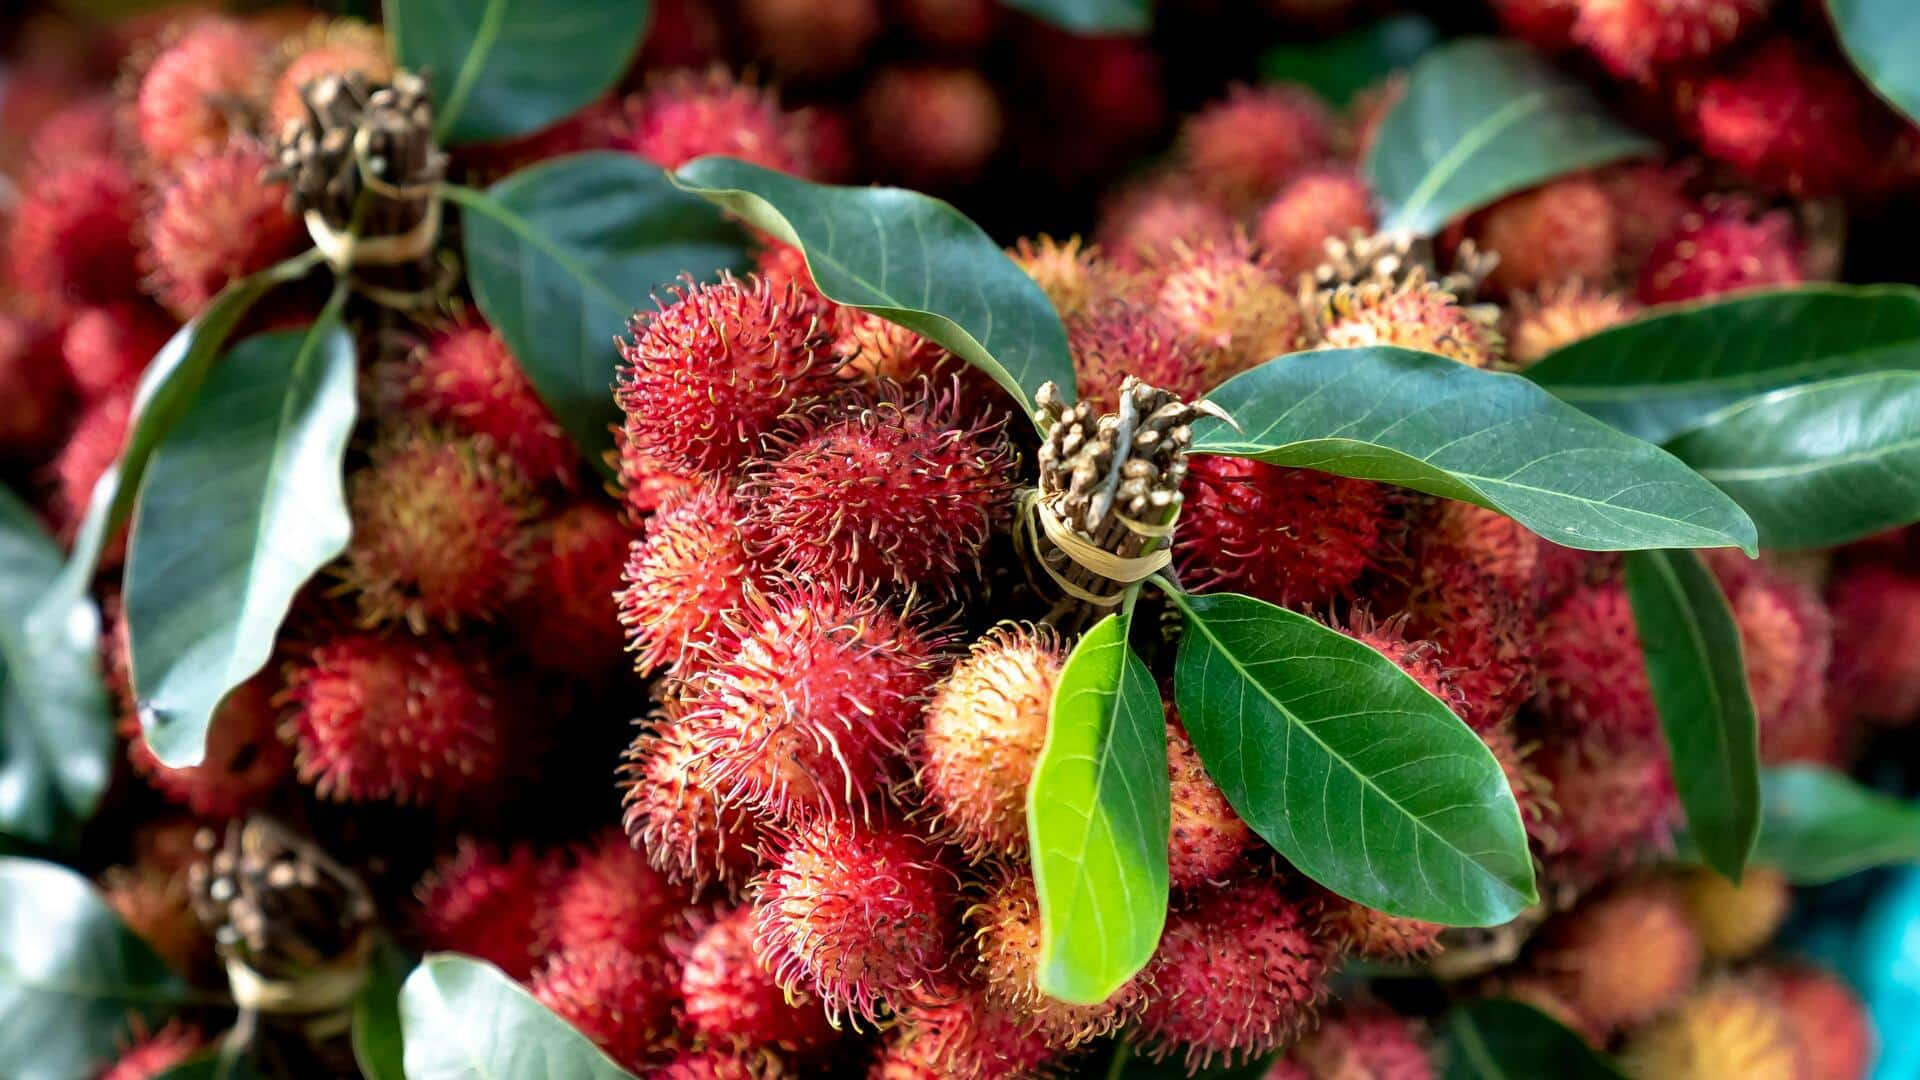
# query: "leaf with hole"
1502, 1039
515, 1036
1882, 38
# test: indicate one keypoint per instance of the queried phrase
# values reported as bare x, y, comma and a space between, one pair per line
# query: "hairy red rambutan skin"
1207, 841
244, 761
1613, 805
1736, 920
709, 375
611, 896
440, 531
487, 903
1237, 975
1624, 957
574, 565
1370, 1043
1592, 675
899, 489
156, 1054
1313, 208
1234, 312
1786, 637
152, 901
1635, 38
1485, 628
1559, 231
683, 115
1793, 120
810, 707
93, 446
1831, 1025
730, 1000
464, 376
411, 720
1721, 252
858, 915
1362, 931
646, 485
327, 47
722, 1065
1649, 200
1114, 338
1418, 658
34, 390
781, 264
1730, 1027
931, 126
1292, 537
622, 1000
683, 577
810, 40
70, 240
1492, 542
218, 220
1006, 938
877, 349
674, 816
1145, 224
201, 88
1875, 674
963, 1036
1242, 148
1541, 323
107, 347
1417, 314
1544, 24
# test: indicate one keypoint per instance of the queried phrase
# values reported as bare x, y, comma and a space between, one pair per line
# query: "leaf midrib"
1450, 163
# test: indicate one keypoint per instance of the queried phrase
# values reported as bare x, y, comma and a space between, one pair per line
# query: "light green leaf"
1425, 422
464, 1019
1661, 373
1820, 825
1882, 38
909, 259
1115, 17
1347, 766
1500, 1039
1480, 120
1340, 67
1699, 682
243, 503
1098, 818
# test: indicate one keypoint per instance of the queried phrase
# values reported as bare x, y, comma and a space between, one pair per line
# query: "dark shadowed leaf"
1098, 820
377, 1046
1347, 766
908, 258
1819, 825
464, 1019
1425, 422
1500, 1039
1882, 38
1340, 67
1090, 16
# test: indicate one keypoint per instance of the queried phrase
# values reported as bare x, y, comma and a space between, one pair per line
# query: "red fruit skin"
35, 395
1371, 1043
574, 565
621, 1000
245, 761
106, 348
85, 128
1545, 24
1114, 338
94, 445
1483, 626
217, 221
730, 999
1832, 1026
1242, 148
1362, 931
1786, 636
1649, 202
683, 577
812, 40
721, 1065
1614, 805
1313, 208
487, 903
955, 25
1560, 231
1794, 121
1875, 675
1624, 957
611, 897
71, 238
465, 377
1721, 252
1147, 223
1635, 38
1417, 657
931, 126
673, 814
687, 114
187, 97
157, 1053
1292, 537
962, 1036
1593, 679
1207, 840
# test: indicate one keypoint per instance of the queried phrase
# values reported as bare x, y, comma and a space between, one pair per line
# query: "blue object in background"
1885, 966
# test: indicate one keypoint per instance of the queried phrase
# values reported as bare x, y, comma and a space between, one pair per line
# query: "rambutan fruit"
898, 489
1362, 931
1242, 148
1730, 1028
1420, 659
1635, 38
1793, 120
1721, 252
440, 531
1414, 314
683, 577
1237, 975
880, 349
953, 25
1736, 920
464, 376
89, 127
412, 720
157, 1054
707, 376
731, 1001
217, 220
1592, 675
1560, 231
810, 708
1625, 956
1541, 323
1613, 804
326, 47
1234, 312
70, 240
1649, 200
152, 901
487, 903
1006, 937
94, 445
622, 1000
1145, 224
1483, 626
931, 126
574, 565
1786, 637
1875, 674
1542, 993
1530, 789
34, 390
244, 763
1314, 207
107, 347
1292, 537
1207, 840
858, 915
1365, 1044
716, 1064
1830, 1024
811, 40
1492, 542
206, 86
673, 815
1544, 24
646, 485
1074, 276
611, 897
684, 115
1115, 338
962, 1036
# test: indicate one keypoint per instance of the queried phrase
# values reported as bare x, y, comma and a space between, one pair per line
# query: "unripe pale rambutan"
1145, 224
1592, 675
107, 347
34, 390
1242, 148
1736, 920
1876, 649
673, 815
1792, 119
574, 564
71, 235
931, 126
440, 530
1363, 931
201, 89
1207, 840
152, 902
707, 376
611, 897
1115, 338
1234, 312
731, 1001
1624, 957
157, 1054
464, 376
1635, 38
217, 220
1731, 1029
1416, 314
686, 114
899, 489
1560, 231
244, 760
985, 728
1006, 937
1484, 627
1292, 537
1315, 207
1540, 323
412, 720
1237, 975
1365, 1044
683, 577
1613, 803
811, 39
1721, 252
810, 707
1074, 276
326, 47
858, 915
622, 1000
487, 903
962, 1036
1831, 1025
880, 349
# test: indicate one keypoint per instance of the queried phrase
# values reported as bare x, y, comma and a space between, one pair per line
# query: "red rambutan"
94, 445
673, 815
879, 349
1876, 650
201, 89
1730, 1029
1362, 931
646, 485
1831, 1025
1418, 658
1114, 338
107, 347
1649, 200
1786, 637
1559, 231
1292, 537
812, 40
1369, 1043
1634, 38
157, 1054
89, 127
964, 1036
326, 47
1234, 312
1484, 627
1613, 805
217, 221
687, 114
931, 126
1145, 224
1544, 322
487, 903
244, 763
956, 25
1592, 675
620, 999
34, 391
574, 566
1544, 24
1736, 920
1793, 120
1624, 957
683, 577
1721, 252
1242, 148
464, 376
71, 237
1006, 936
731, 1001
1315, 207
611, 896
714, 1064
1207, 840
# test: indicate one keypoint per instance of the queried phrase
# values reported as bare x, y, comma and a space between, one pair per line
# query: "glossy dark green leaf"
1114, 17
1819, 464
378, 1047
1363, 779
464, 1019
1699, 680
71, 975
242, 505
56, 730
1820, 825
1482, 119
1659, 374
500, 68
1098, 819
1425, 422
562, 254
1882, 38
908, 258
1501, 1039
1338, 68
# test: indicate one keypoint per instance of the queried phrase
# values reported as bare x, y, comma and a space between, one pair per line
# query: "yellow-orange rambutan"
1625, 956
1006, 938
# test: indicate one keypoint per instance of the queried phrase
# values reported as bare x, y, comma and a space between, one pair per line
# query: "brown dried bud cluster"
1394, 259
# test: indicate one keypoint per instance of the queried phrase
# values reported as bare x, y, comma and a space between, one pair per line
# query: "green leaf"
1116, 17
1882, 38
71, 975
1660, 374
560, 255
1480, 120
1340, 67
243, 503
1699, 681
909, 259
377, 1045
1500, 1039
1820, 825
1819, 464
1425, 422
501, 68
1347, 766
1098, 819
464, 1018
56, 730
